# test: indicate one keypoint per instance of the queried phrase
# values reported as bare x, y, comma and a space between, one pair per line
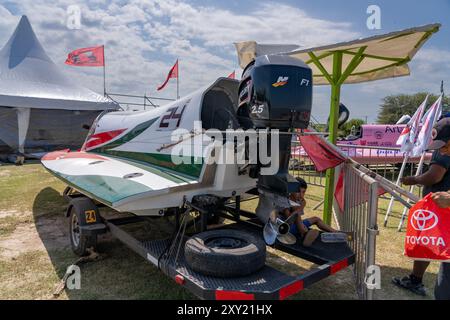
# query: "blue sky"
143, 38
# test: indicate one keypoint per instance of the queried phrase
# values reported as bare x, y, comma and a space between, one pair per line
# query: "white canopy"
378, 57
29, 79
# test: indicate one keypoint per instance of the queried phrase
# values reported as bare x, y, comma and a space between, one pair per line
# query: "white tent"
36, 96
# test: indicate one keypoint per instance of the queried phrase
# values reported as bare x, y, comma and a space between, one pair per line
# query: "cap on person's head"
440, 134
444, 115
302, 183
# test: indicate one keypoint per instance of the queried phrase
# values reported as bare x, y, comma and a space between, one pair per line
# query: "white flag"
408, 136
424, 137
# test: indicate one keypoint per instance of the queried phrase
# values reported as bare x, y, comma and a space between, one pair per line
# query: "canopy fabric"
249, 50
373, 58
23, 121
28, 78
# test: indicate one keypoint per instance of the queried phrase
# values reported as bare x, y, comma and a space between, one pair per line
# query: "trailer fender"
88, 216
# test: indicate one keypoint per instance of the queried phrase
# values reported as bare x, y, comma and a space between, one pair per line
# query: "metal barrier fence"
301, 166
384, 161
360, 217
360, 199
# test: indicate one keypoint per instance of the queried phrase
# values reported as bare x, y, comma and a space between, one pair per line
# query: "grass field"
35, 251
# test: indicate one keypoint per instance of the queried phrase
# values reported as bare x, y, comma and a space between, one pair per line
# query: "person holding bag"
435, 179
428, 231
441, 142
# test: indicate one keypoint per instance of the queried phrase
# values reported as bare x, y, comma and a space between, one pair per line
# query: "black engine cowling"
276, 93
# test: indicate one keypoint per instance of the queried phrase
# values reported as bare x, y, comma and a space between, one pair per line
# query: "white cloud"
144, 38
218, 27
7, 23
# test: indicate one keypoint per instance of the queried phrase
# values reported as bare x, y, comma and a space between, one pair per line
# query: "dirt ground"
35, 251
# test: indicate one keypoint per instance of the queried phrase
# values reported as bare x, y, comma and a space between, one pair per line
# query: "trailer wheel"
79, 242
225, 253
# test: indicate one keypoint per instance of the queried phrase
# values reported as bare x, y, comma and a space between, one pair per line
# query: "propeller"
275, 228
278, 229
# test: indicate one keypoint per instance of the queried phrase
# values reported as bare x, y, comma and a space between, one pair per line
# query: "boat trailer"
266, 284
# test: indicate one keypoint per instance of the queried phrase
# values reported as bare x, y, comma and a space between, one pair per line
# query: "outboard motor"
275, 93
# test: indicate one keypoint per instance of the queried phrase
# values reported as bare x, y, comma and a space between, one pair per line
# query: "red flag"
87, 57
232, 75
321, 155
339, 192
173, 73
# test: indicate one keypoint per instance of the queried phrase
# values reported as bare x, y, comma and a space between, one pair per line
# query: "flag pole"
178, 95
104, 72
420, 166
411, 189
397, 183
178, 78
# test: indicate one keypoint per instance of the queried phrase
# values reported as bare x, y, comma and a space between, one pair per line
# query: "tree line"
395, 106
391, 110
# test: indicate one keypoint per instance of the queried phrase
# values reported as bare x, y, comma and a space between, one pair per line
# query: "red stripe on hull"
101, 138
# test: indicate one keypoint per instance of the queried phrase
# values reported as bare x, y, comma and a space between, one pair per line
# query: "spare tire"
225, 253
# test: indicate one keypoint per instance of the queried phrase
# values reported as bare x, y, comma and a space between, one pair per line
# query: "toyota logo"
422, 220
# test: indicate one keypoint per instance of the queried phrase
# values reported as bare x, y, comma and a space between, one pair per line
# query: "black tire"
225, 253
78, 242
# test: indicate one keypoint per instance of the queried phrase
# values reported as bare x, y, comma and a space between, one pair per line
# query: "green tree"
347, 127
395, 106
320, 127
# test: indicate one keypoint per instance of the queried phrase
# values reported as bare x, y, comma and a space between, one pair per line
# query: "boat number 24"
172, 118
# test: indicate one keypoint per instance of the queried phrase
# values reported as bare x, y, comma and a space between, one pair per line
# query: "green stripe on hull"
85, 192
191, 166
105, 189
166, 174
163, 161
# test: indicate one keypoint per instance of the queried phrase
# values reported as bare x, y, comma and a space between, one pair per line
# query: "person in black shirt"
441, 142
437, 181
